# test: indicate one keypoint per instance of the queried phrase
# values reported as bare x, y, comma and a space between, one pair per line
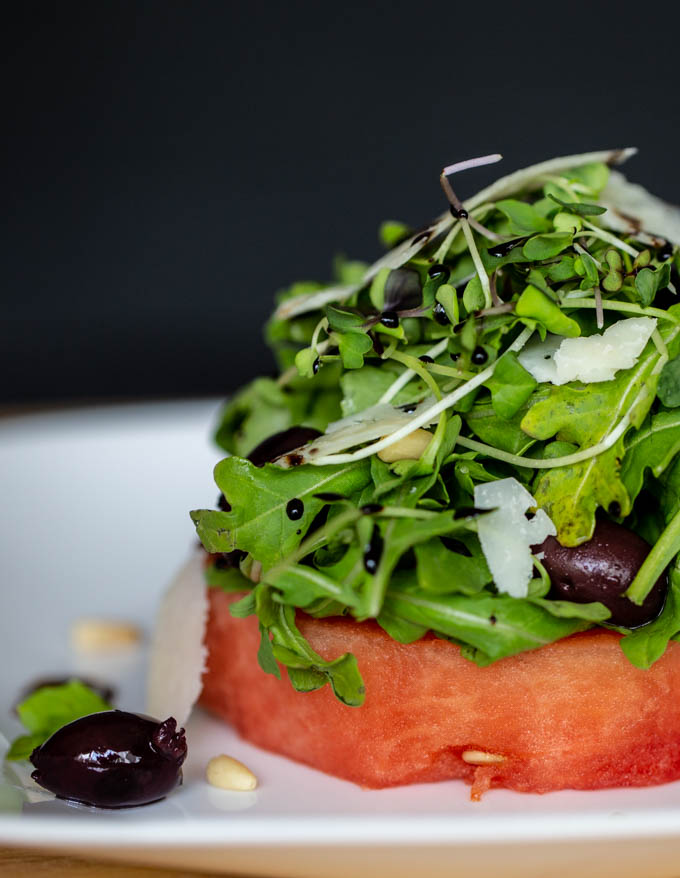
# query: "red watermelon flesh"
575, 714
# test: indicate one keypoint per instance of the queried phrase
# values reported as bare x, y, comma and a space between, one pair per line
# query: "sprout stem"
479, 265
419, 368
471, 163
662, 553
427, 416
445, 246
406, 376
624, 307
318, 329
552, 462
597, 232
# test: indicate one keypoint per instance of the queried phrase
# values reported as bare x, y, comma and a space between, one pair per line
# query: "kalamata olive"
112, 759
281, 443
601, 569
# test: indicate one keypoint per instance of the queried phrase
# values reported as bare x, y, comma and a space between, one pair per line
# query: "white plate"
94, 523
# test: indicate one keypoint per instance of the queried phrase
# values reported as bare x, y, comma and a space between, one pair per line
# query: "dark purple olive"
281, 443
112, 759
601, 569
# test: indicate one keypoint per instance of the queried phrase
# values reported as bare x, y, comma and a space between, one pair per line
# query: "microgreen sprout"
430, 394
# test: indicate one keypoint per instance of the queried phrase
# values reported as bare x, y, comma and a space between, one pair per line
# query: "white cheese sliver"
506, 535
178, 654
592, 358
538, 359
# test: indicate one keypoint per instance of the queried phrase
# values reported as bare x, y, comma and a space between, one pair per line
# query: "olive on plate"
112, 759
601, 569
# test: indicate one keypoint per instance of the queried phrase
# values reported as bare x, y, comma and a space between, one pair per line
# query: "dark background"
172, 164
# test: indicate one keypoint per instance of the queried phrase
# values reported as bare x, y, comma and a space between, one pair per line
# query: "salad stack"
503, 381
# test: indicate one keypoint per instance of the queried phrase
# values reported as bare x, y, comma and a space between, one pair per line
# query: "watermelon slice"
575, 714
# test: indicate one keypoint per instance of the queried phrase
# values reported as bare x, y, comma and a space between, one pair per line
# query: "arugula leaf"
228, 579
592, 612
309, 670
396, 544
645, 645
362, 388
302, 585
651, 447
668, 388
443, 571
584, 414
498, 625
511, 386
398, 535
49, 708
400, 630
263, 408
505, 434
258, 522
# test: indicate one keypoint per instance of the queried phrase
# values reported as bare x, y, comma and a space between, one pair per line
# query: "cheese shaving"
177, 651
590, 359
506, 534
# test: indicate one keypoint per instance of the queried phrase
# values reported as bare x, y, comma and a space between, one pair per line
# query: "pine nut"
409, 448
90, 635
228, 773
479, 757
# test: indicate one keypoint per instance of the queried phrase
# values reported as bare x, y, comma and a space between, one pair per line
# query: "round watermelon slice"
575, 714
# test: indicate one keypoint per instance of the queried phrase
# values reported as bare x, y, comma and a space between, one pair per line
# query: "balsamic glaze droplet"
316, 365
329, 496
479, 356
438, 271
409, 408
439, 314
281, 443
455, 357
295, 509
501, 250
390, 319
371, 509
426, 359
373, 552
459, 213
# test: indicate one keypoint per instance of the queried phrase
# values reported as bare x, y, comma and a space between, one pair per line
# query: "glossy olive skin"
601, 569
112, 759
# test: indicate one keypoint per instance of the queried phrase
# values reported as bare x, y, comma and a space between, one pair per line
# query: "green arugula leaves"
259, 521
438, 328
49, 708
